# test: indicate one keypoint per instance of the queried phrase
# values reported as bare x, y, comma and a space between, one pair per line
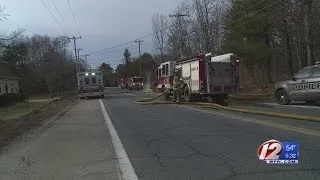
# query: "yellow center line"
277, 125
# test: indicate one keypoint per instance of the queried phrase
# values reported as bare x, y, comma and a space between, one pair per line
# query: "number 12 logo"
270, 150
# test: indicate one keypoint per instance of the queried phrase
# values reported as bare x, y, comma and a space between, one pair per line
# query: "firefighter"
177, 86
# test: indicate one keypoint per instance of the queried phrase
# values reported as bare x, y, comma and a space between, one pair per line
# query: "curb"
251, 96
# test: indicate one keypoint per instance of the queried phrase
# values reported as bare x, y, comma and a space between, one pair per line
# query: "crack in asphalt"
194, 150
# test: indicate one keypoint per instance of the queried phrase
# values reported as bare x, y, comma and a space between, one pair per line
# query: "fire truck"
203, 76
135, 83
124, 83
90, 84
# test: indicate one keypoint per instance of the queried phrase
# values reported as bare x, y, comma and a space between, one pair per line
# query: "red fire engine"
132, 83
124, 83
203, 76
135, 83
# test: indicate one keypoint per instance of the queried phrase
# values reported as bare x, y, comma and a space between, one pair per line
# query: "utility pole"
85, 58
75, 49
139, 42
78, 56
307, 13
179, 16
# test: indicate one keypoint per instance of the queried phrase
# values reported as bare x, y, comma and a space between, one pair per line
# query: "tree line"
143, 66
273, 38
44, 64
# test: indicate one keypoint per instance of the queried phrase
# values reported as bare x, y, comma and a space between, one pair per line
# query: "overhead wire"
133, 46
153, 33
231, 22
55, 6
53, 17
290, 4
74, 18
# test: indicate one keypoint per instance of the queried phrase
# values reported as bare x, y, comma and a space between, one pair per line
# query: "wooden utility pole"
85, 58
75, 49
78, 56
179, 16
139, 42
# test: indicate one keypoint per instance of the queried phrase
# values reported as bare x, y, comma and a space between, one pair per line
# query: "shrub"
9, 99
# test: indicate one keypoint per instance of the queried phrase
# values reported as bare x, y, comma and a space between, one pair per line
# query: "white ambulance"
90, 84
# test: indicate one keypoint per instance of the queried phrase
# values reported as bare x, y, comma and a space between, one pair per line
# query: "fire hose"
150, 101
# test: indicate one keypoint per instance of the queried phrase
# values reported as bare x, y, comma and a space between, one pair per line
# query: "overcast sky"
102, 23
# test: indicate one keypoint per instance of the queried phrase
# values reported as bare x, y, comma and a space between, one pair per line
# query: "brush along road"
220, 107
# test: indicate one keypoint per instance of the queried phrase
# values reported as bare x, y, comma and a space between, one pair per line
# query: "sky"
100, 23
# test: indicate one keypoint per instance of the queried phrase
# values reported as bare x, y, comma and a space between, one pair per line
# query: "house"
9, 81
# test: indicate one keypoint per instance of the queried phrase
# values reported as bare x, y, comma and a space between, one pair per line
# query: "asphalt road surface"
105, 139
299, 108
174, 142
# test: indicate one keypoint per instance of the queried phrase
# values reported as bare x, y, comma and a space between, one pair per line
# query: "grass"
19, 109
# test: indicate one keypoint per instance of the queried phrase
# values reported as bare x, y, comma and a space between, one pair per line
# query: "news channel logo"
275, 152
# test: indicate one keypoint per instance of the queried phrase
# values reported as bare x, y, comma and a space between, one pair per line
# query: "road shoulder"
76, 145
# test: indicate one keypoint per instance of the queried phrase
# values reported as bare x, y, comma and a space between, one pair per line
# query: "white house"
9, 82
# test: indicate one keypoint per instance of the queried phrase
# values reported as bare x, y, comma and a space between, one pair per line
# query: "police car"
304, 86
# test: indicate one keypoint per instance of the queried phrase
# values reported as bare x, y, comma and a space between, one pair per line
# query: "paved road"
158, 142
295, 108
172, 142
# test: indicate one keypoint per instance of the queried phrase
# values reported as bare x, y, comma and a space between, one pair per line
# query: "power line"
74, 18
123, 44
127, 47
292, 3
54, 4
258, 10
53, 16
151, 34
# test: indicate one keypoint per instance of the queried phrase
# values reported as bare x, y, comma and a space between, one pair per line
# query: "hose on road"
150, 101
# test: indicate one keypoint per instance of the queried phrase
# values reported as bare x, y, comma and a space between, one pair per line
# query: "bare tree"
3, 15
159, 25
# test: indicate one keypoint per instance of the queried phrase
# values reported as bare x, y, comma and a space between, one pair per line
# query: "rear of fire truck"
135, 83
90, 84
204, 76
123, 83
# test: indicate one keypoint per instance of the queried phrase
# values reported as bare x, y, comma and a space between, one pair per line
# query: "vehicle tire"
311, 102
282, 97
187, 94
